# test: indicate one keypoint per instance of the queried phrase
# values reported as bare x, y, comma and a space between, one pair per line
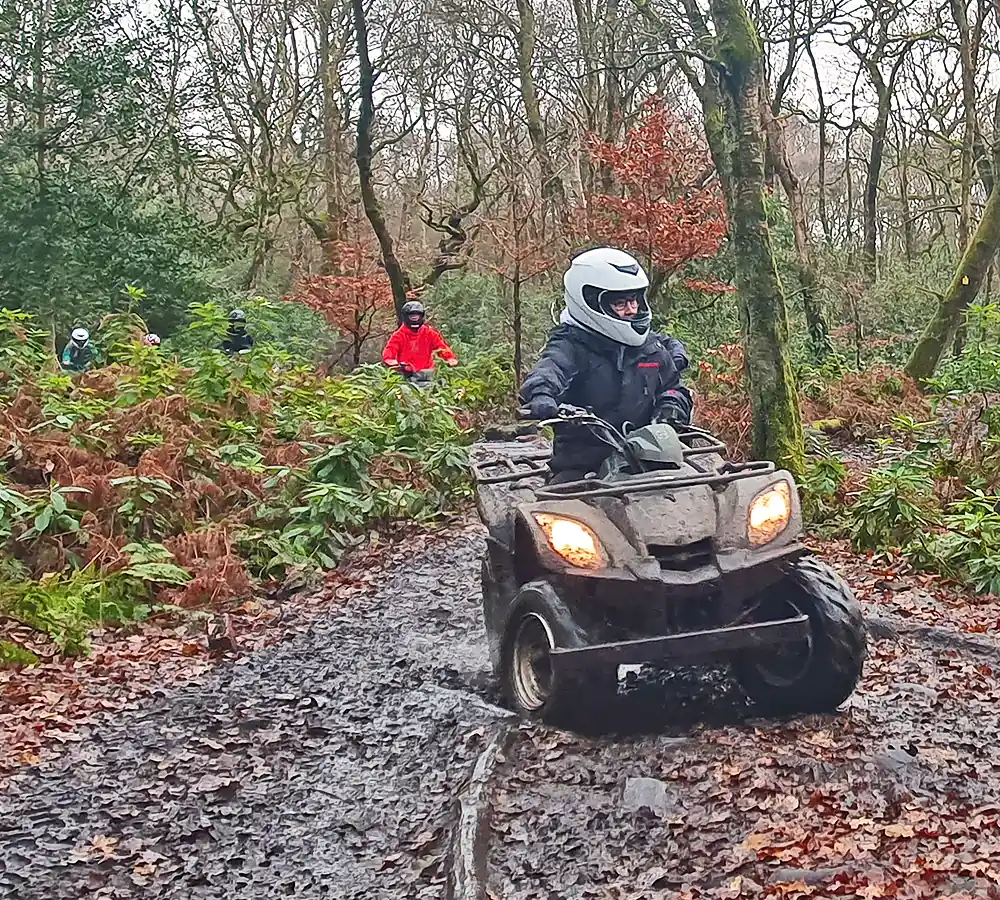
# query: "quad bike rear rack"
518, 465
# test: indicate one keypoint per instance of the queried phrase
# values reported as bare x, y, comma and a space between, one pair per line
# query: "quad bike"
671, 554
421, 379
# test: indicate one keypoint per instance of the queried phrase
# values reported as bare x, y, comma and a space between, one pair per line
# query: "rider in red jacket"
414, 344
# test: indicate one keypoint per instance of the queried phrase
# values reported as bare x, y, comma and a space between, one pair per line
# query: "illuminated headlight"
769, 514
572, 540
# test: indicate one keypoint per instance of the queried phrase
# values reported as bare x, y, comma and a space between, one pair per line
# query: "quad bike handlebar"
602, 429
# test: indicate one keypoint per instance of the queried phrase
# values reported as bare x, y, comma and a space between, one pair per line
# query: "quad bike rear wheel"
821, 672
539, 623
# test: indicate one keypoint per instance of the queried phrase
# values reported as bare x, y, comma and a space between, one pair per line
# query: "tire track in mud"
326, 766
343, 763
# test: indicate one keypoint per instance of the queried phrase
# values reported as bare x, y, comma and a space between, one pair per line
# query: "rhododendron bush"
190, 481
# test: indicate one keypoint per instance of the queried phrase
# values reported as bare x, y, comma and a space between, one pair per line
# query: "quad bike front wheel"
539, 623
820, 672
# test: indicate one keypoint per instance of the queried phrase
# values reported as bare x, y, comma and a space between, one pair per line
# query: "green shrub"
251, 466
896, 505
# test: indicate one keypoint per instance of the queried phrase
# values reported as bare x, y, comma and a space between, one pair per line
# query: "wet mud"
341, 763
323, 767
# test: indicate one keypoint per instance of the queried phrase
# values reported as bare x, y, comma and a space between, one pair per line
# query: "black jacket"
619, 383
237, 339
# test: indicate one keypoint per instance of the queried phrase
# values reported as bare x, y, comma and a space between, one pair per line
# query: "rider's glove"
671, 414
543, 407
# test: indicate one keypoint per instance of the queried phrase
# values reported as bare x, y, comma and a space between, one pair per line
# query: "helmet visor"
618, 304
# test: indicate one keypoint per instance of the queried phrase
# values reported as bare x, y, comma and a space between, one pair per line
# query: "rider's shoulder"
566, 334
656, 341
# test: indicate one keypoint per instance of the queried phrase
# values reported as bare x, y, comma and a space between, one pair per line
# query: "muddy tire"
818, 675
540, 622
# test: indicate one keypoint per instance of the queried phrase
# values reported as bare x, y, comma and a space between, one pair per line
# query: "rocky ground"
335, 764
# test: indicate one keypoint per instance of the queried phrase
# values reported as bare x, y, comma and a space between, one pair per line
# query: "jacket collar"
598, 342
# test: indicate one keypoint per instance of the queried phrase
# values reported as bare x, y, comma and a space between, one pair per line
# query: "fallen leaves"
896, 796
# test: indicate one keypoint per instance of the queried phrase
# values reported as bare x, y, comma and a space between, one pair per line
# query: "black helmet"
414, 314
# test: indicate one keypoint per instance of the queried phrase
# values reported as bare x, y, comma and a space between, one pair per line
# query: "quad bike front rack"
529, 464
653, 481
512, 462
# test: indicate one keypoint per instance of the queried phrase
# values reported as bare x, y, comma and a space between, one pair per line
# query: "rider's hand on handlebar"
542, 407
566, 411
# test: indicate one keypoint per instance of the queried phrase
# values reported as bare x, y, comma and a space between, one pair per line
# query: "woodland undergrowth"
164, 481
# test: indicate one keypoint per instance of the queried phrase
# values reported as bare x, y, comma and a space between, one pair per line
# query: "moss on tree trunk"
972, 269
731, 101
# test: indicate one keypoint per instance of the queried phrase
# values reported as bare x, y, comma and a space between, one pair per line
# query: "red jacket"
416, 347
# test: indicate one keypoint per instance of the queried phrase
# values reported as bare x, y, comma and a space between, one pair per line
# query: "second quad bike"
670, 554
421, 379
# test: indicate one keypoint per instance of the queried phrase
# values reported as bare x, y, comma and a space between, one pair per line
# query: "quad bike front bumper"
687, 647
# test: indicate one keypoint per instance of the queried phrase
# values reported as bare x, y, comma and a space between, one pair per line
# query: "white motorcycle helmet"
80, 337
598, 278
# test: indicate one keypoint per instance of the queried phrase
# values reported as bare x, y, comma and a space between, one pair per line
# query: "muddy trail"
365, 757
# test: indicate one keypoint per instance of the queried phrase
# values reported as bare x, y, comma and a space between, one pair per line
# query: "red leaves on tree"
663, 214
354, 300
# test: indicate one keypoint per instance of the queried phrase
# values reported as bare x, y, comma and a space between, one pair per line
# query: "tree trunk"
884, 91
941, 329
909, 247
373, 209
959, 14
334, 187
733, 128
849, 198
873, 174
516, 302
612, 89
824, 216
778, 155
552, 186
39, 100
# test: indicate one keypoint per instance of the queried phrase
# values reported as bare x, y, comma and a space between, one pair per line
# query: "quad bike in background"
670, 554
421, 379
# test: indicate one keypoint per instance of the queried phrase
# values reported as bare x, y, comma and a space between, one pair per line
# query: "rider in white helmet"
79, 354
604, 356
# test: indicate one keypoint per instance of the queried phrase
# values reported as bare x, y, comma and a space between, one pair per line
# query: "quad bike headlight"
572, 540
769, 514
